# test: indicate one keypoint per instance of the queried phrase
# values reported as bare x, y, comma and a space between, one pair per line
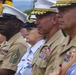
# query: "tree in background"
28, 11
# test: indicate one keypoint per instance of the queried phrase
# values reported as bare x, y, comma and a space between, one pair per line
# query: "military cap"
64, 3
10, 12
32, 16
29, 24
42, 7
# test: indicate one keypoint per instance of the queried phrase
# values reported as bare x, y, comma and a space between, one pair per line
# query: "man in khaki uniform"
10, 53
47, 23
67, 21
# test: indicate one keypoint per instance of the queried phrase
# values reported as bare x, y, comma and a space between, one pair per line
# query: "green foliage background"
28, 11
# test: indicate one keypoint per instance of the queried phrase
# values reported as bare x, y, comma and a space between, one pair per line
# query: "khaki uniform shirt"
3, 43
12, 51
44, 58
66, 49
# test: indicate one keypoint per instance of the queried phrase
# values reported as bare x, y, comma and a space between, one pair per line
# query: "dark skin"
6, 72
9, 27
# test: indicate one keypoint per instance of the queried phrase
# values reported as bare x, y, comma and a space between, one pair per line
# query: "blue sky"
22, 0
32, 0
22, 5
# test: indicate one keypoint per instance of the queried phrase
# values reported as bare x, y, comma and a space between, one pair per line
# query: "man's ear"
55, 20
17, 25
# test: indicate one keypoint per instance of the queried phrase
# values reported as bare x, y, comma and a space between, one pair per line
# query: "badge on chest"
45, 53
69, 55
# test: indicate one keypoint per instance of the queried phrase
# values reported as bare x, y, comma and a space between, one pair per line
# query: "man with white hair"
47, 23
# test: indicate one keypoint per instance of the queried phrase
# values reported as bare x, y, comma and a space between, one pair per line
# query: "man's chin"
61, 27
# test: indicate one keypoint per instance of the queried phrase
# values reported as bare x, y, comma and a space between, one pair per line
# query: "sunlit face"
67, 18
32, 35
23, 32
44, 24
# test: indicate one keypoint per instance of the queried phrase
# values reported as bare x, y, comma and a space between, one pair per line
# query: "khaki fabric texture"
43, 66
66, 46
12, 52
2, 44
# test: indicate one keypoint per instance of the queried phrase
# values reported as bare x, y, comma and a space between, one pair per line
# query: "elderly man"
47, 23
10, 53
67, 21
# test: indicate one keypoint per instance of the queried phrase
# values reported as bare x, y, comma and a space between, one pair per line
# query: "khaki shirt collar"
67, 44
15, 37
54, 37
12, 40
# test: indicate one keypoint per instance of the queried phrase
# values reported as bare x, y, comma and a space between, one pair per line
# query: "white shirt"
25, 65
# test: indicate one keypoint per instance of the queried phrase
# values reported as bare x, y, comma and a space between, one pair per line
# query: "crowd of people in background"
41, 43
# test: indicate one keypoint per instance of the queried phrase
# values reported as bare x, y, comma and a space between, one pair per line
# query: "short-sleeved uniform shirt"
3, 43
44, 58
25, 65
12, 51
66, 49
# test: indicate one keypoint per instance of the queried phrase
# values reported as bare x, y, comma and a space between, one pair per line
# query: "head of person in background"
31, 19
32, 34
23, 32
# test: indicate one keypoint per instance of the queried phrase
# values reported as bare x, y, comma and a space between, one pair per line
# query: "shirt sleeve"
72, 70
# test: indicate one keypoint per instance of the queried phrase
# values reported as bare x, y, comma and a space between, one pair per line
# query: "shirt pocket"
41, 63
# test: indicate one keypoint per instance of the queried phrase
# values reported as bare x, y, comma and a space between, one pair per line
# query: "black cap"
28, 24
